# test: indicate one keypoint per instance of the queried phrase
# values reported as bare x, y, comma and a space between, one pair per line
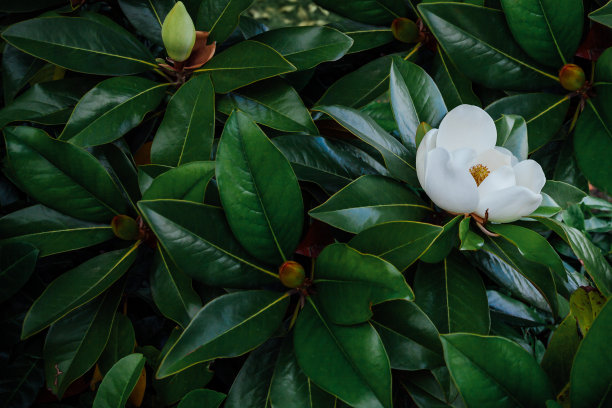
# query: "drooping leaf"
453, 295
17, 262
356, 366
228, 326
369, 201
50, 231
495, 372
187, 130
259, 191
82, 188
199, 241
118, 383
77, 287
479, 42
187, 182
61, 41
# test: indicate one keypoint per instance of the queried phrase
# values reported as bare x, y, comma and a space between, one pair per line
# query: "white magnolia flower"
462, 171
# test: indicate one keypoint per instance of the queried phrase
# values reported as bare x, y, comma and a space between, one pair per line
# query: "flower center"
479, 172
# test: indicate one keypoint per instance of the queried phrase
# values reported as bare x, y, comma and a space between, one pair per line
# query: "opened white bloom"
463, 172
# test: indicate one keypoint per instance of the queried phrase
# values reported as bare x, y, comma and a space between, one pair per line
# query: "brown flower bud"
291, 274
405, 30
125, 227
572, 77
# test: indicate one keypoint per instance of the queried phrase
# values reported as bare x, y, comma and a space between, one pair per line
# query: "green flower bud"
125, 227
572, 77
291, 274
178, 33
421, 132
405, 30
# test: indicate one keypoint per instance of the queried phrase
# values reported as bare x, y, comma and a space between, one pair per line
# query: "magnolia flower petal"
498, 180
493, 159
509, 204
513, 159
463, 157
449, 185
427, 144
530, 174
467, 126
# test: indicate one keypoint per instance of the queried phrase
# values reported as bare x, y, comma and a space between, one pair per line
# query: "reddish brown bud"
572, 77
291, 274
405, 30
125, 227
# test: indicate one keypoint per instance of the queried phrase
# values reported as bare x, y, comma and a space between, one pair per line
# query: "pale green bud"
178, 33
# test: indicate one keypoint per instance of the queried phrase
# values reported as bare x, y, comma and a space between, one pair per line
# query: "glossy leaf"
453, 295
17, 69
398, 242
590, 377
220, 17
121, 342
564, 194
479, 42
356, 366
199, 241
348, 284
415, 98
77, 287
272, 103
187, 130
73, 344
50, 231
259, 191
119, 382
495, 372
228, 326
17, 262
361, 86
381, 12
369, 201
444, 243
202, 398
82, 188
364, 36
111, 109
512, 134
307, 47
544, 114
60, 40
559, 356
455, 87
398, 159
590, 256
427, 390
603, 15
410, 338
49, 103
172, 292
171, 389
470, 241
245, 63
547, 30
187, 182
514, 311
147, 16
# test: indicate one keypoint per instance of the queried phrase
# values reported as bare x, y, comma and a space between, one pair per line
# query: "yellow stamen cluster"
479, 172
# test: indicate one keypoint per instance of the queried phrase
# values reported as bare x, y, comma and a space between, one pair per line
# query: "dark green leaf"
349, 282
259, 191
427, 391
495, 372
411, 339
470, 241
172, 291
21, 387
398, 159
220, 17
228, 326
147, 16
62, 41
50, 231
381, 12
202, 398
121, 342
272, 103
199, 241
364, 36
603, 15
455, 87
369, 201
356, 367
17, 69
514, 311
544, 114
512, 134
564, 194
444, 242
559, 356
399, 242
171, 389
479, 42
149, 172
245, 63
111, 109
17, 262
187, 182
82, 188
187, 130
549, 31
77, 287
453, 296
73, 344
118, 383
